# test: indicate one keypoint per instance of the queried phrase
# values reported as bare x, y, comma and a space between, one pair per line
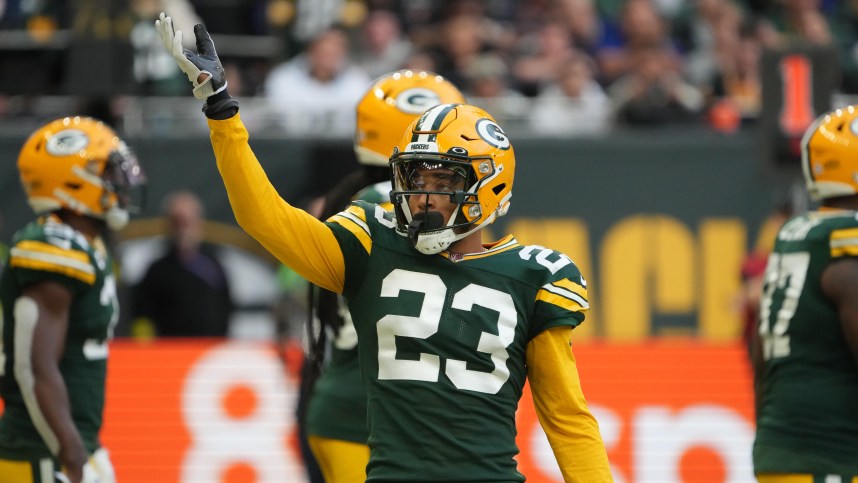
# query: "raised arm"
296, 238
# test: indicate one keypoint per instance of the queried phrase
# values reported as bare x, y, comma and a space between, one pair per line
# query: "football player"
335, 420
448, 329
59, 305
807, 398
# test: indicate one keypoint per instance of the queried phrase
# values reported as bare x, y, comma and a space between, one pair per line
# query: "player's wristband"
220, 106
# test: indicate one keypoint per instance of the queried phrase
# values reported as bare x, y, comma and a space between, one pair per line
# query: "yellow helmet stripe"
430, 122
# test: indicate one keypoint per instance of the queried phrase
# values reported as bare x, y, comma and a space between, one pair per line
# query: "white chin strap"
432, 243
116, 218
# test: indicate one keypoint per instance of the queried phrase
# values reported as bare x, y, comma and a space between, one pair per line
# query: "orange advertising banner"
223, 412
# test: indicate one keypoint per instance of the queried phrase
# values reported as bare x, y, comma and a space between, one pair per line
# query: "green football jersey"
47, 250
807, 409
442, 345
337, 408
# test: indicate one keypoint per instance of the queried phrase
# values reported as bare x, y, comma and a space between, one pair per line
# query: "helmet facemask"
416, 177
454, 139
124, 187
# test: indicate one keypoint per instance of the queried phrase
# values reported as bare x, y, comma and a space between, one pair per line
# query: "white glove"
98, 469
204, 61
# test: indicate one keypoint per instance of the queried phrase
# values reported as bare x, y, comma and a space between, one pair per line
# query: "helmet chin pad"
424, 235
435, 242
116, 218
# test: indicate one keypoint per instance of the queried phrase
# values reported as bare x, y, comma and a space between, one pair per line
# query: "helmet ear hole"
497, 189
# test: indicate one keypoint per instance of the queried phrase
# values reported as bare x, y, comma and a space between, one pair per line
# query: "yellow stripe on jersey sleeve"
354, 220
37, 255
564, 294
844, 243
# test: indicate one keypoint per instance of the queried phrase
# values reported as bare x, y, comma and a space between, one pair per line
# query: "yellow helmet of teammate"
389, 106
829, 152
79, 164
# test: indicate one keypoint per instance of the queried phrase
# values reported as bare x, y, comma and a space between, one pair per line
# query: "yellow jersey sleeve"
292, 235
562, 410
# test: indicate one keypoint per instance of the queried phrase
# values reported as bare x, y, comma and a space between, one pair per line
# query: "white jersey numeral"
427, 367
786, 273
95, 349
542, 254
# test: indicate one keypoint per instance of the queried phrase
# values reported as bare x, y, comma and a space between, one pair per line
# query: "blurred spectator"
540, 57
738, 81
588, 31
709, 34
421, 60
800, 21
155, 71
574, 103
184, 293
492, 20
458, 43
487, 85
315, 17
315, 92
641, 29
844, 27
384, 48
654, 92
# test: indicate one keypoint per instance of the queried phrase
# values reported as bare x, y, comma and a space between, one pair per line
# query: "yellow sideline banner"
223, 412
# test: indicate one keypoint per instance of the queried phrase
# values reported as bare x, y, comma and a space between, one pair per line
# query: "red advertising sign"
208, 411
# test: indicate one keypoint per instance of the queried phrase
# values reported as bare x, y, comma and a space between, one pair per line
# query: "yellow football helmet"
80, 164
389, 106
466, 142
829, 152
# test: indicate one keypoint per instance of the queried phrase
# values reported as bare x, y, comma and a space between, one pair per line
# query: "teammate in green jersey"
58, 303
336, 420
448, 329
807, 398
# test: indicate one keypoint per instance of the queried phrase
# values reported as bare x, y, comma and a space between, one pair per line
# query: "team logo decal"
67, 142
416, 100
492, 134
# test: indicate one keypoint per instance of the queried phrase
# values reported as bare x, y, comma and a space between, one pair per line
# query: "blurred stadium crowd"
551, 67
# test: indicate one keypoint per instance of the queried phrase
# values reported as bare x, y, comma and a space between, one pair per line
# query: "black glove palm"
202, 67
